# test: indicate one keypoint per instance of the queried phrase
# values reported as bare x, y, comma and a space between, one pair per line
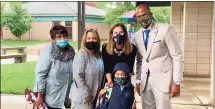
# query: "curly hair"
58, 29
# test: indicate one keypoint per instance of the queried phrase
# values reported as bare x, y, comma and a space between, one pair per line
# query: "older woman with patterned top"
54, 71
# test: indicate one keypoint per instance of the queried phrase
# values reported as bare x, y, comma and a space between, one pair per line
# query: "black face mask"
119, 39
92, 45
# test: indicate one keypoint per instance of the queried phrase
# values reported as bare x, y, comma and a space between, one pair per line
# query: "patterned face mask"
144, 20
121, 80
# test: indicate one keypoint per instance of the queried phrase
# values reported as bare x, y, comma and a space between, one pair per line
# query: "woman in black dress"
117, 49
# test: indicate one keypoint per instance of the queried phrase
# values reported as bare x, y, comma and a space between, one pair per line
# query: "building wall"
40, 30
103, 29
7, 35
176, 18
193, 25
74, 30
196, 37
1, 33
212, 62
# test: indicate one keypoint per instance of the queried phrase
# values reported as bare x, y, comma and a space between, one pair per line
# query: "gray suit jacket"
88, 76
163, 58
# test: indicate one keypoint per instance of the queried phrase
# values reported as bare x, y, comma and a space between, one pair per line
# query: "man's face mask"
121, 80
144, 20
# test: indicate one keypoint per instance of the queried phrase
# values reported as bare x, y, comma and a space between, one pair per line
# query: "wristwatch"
177, 82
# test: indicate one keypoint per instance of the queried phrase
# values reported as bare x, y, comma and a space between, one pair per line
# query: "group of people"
89, 75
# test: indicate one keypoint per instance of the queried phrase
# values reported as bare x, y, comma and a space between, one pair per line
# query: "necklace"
119, 53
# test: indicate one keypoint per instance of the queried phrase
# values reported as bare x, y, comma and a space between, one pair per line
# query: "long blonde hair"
111, 44
83, 41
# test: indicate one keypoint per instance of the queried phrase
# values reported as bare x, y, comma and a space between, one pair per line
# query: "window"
69, 29
68, 25
54, 23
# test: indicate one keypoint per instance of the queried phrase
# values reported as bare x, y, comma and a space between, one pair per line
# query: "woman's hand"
110, 84
88, 100
109, 79
101, 93
39, 100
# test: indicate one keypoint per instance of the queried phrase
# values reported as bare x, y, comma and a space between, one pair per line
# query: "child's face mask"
121, 80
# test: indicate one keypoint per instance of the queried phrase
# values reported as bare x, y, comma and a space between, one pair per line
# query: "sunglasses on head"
92, 29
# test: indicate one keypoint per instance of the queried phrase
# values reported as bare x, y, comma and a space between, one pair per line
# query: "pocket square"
156, 41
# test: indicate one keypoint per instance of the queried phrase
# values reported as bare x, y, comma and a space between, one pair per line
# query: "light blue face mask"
129, 29
62, 43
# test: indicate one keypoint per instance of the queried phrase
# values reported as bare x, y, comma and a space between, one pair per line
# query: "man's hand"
175, 90
138, 89
134, 105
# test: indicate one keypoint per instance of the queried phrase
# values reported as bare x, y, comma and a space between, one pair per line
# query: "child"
121, 96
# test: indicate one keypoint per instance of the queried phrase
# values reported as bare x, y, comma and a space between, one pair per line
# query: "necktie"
146, 38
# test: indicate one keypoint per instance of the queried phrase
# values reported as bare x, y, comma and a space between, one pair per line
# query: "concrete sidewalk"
195, 94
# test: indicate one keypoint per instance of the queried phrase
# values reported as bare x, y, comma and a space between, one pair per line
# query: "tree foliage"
104, 5
113, 14
160, 14
2, 13
16, 18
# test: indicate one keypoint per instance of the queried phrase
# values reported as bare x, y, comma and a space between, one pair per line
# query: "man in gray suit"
159, 61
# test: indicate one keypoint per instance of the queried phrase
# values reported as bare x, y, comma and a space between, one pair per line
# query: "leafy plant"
16, 18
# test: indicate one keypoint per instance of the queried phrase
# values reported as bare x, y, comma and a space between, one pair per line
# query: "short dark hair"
143, 4
58, 29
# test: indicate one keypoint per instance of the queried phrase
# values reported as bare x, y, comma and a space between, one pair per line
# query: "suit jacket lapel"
141, 40
152, 36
